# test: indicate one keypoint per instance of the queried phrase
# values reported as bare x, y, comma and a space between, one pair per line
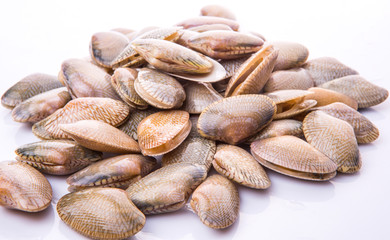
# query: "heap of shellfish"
199, 94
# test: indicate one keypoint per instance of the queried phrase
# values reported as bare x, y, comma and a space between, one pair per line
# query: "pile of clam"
199, 94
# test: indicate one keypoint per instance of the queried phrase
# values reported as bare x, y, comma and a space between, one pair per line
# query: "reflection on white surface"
38, 35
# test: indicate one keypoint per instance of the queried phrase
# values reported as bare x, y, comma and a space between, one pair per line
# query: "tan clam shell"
159, 89
279, 128
364, 92
217, 11
324, 69
291, 55
253, 73
210, 27
119, 171
28, 87
365, 130
216, 202
238, 165
325, 96
296, 78
167, 189
234, 119
106, 110
24, 188
232, 66
199, 96
207, 20
41, 106
293, 157
123, 82
162, 132
101, 213
57, 157
100, 136
335, 138
130, 126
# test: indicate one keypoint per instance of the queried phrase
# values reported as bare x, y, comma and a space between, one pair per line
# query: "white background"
36, 36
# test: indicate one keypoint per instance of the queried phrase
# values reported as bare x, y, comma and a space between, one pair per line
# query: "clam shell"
56, 157
101, 213
185, 36
162, 132
335, 138
216, 202
325, 97
106, 110
167, 189
100, 136
364, 92
159, 89
41, 106
291, 55
207, 20
29, 86
131, 125
296, 78
119, 171
232, 66
210, 27
293, 157
238, 165
297, 109
325, 69
217, 11
253, 73
24, 188
199, 96
234, 119
279, 128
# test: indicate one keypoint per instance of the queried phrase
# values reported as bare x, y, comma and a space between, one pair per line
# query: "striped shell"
136, 116
291, 55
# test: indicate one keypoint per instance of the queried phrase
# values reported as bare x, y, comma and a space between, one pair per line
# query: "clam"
234, 119
23, 188
217, 11
216, 202
296, 78
106, 110
57, 157
41, 106
199, 96
325, 69
279, 128
159, 89
119, 171
84, 79
101, 213
325, 97
291, 55
162, 132
293, 157
364, 92
335, 138
207, 20
221, 44
123, 82
253, 73
232, 66
100, 136
210, 27
130, 126
365, 130
167, 189
238, 165
29, 86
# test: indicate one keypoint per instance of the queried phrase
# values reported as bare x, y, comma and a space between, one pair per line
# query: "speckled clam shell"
84, 79
207, 20
167, 189
216, 202
23, 188
364, 92
335, 138
162, 132
291, 55
217, 11
234, 119
57, 157
123, 82
159, 89
279, 128
325, 69
106, 110
199, 96
106, 46
365, 130
28, 87
130, 126
326, 96
41, 106
253, 74
210, 27
119, 171
100, 136
238, 165
293, 157
101, 213
296, 78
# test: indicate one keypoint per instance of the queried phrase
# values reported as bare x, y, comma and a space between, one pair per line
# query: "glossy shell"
199, 96
291, 55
